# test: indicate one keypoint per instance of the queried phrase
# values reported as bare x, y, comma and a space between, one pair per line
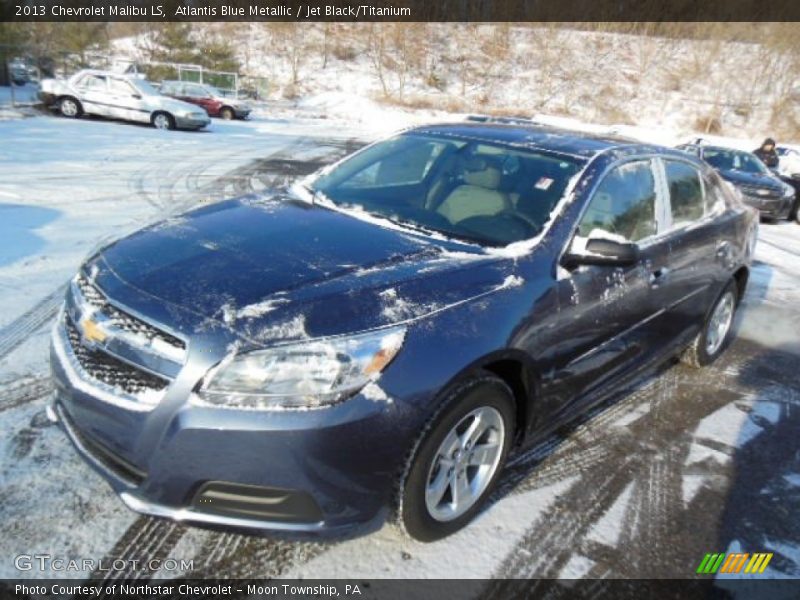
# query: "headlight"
197, 115
308, 374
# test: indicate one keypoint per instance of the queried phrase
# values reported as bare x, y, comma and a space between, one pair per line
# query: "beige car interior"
477, 196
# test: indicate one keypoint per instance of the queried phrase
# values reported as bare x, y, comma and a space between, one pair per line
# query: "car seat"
477, 196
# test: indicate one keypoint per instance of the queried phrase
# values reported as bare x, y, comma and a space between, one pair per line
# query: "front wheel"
715, 335
227, 113
163, 121
458, 459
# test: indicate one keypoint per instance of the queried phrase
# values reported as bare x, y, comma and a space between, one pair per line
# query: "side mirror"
603, 252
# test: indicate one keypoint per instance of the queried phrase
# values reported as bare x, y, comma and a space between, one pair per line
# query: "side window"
624, 204
687, 203
195, 91
121, 87
93, 83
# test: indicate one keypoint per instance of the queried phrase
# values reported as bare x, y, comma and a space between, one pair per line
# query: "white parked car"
120, 96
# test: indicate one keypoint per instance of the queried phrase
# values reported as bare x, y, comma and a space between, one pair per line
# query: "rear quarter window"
686, 193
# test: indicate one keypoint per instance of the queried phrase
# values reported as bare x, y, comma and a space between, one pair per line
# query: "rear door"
698, 250
94, 97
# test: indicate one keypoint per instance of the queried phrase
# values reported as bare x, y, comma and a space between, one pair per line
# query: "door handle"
659, 276
723, 250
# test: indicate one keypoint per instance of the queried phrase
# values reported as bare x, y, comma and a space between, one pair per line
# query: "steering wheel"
504, 226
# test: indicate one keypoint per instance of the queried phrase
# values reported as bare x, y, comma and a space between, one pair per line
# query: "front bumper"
192, 122
774, 208
343, 458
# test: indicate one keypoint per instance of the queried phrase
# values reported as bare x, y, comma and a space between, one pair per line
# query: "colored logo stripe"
734, 562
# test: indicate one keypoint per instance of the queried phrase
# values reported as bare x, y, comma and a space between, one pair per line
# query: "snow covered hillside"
687, 86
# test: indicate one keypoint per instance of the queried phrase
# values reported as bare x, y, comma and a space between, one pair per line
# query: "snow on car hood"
173, 105
278, 269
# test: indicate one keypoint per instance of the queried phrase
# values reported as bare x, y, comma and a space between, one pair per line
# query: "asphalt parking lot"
681, 463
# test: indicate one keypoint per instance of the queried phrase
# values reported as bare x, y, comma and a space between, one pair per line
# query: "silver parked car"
120, 96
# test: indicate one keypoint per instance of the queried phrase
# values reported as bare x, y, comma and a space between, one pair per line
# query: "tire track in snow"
24, 390
16, 332
761, 240
147, 539
648, 454
243, 556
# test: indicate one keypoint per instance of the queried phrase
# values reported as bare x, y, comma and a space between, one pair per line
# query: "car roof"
534, 136
130, 76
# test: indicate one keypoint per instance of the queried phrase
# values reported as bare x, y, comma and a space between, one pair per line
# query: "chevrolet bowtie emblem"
92, 332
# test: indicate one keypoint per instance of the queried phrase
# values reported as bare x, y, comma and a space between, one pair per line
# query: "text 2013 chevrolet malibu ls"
376, 340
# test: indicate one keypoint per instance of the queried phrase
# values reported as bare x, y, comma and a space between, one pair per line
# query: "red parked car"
213, 100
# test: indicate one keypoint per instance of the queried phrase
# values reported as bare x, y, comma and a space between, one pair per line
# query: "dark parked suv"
760, 187
377, 339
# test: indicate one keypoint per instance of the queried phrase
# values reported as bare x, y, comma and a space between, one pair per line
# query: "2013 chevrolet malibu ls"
377, 339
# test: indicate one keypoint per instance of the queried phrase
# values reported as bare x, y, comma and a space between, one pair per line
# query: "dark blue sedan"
377, 339
760, 188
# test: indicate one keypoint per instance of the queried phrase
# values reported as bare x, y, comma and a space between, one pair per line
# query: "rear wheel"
458, 459
227, 113
162, 120
70, 107
715, 335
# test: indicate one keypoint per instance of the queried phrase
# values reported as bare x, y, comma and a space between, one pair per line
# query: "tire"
707, 346
162, 120
227, 113
427, 477
70, 107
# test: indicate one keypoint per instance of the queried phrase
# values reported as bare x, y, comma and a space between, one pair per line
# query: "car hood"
280, 269
172, 104
753, 179
234, 102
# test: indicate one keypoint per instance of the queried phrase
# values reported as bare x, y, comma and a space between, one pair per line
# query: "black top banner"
400, 10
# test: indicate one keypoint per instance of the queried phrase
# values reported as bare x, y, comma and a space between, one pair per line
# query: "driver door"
608, 314
127, 101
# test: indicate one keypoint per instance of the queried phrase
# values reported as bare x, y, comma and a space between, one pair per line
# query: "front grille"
110, 370
123, 320
753, 192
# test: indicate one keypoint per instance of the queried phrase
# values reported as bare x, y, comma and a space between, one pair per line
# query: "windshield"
733, 160
145, 87
465, 189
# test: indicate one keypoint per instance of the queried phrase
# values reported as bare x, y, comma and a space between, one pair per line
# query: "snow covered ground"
682, 463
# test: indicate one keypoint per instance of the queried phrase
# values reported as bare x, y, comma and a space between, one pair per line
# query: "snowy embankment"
678, 85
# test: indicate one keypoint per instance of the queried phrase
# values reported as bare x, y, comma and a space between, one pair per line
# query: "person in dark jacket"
767, 153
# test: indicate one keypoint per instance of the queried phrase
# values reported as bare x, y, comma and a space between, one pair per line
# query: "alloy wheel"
720, 323
465, 463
